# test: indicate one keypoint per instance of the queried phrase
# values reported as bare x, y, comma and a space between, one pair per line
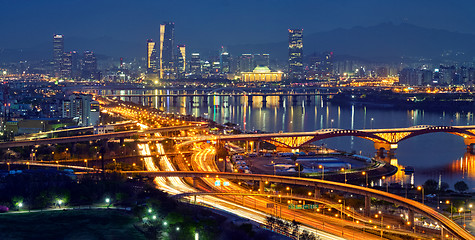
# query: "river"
433, 155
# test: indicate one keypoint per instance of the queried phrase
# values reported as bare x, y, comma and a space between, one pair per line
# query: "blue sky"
205, 23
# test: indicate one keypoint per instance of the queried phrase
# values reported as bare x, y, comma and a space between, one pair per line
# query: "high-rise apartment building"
166, 54
296, 53
151, 57
195, 64
181, 60
58, 49
82, 109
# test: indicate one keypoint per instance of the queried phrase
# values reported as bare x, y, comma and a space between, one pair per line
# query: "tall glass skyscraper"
296, 53
195, 64
151, 57
181, 59
166, 55
58, 49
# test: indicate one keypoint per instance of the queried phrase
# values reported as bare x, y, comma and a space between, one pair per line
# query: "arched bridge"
386, 139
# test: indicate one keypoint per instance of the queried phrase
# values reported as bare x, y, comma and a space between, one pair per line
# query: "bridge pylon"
470, 143
388, 147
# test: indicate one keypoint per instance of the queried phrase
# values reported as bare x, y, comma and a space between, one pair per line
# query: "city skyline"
208, 34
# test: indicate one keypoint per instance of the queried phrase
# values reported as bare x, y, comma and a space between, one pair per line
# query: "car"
267, 154
252, 155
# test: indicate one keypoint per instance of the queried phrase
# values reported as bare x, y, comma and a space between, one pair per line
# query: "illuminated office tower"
58, 49
181, 59
151, 57
166, 56
67, 65
246, 63
195, 64
296, 53
89, 70
225, 62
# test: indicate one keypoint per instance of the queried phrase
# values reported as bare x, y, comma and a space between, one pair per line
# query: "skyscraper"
66, 65
89, 70
181, 59
166, 55
296, 53
225, 62
246, 63
151, 56
195, 64
58, 49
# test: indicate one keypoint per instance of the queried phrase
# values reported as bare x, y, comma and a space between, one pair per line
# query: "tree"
294, 158
430, 186
461, 186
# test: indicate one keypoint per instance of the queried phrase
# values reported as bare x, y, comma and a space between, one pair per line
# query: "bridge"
368, 193
384, 139
87, 138
228, 92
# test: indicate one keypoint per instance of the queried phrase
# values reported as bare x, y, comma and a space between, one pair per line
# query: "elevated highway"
411, 205
86, 138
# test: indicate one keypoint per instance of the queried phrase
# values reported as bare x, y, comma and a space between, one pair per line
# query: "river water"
433, 155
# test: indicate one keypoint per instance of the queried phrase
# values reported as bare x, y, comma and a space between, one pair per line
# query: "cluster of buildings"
442, 75
43, 107
170, 61
73, 65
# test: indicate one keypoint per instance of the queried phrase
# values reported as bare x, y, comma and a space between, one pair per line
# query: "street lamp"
342, 205
365, 174
451, 206
60, 202
462, 210
343, 170
273, 163
421, 188
28, 163
387, 185
8, 164
376, 216
85, 162
323, 170
297, 165
372, 123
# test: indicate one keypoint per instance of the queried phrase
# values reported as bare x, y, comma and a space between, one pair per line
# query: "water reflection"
430, 155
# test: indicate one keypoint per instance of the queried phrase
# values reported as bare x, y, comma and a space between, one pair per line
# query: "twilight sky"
210, 23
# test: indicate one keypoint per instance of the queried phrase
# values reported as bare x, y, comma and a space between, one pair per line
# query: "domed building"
261, 74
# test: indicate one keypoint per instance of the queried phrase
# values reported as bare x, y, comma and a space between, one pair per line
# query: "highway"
86, 138
407, 203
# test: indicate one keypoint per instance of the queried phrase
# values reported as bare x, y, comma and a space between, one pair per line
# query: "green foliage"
430, 186
461, 186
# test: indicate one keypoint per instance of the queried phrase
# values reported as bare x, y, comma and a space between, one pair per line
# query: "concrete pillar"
258, 144
247, 146
261, 186
411, 220
249, 99
367, 206
318, 193
121, 141
195, 182
264, 99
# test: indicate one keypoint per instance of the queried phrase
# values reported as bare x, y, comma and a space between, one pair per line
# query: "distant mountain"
381, 42
103, 46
